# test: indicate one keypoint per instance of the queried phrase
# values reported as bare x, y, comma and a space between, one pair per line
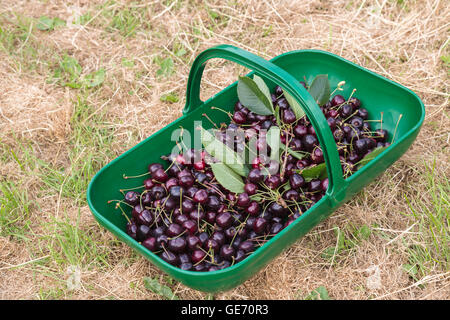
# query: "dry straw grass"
401, 40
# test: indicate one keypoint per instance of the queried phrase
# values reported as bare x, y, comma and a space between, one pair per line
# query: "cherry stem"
123, 212
351, 94
120, 201
209, 119
396, 126
138, 176
185, 230
139, 187
226, 112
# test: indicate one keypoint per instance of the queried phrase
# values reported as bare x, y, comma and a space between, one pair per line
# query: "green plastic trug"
378, 94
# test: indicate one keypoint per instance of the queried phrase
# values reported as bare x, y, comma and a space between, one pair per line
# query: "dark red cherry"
354, 157
331, 123
174, 229
201, 267
150, 244
346, 110
210, 217
176, 192
276, 228
381, 135
296, 181
181, 218
171, 182
278, 91
132, 230
288, 116
160, 175
253, 209
187, 206
218, 236
314, 185
243, 199
186, 266
265, 125
169, 257
184, 172
290, 169
201, 196
158, 231
230, 232
273, 182
247, 246
276, 209
338, 134
239, 117
213, 202
309, 142
224, 219
332, 113
146, 199
324, 184
227, 252
200, 165
231, 197
317, 156
240, 255
260, 225
337, 100
356, 122
190, 192
295, 144
148, 184
363, 113
250, 188
177, 244
154, 166
211, 244
137, 209
292, 195
192, 242
251, 117
186, 181
255, 176
282, 103
132, 197
360, 146
302, 163
355, 102
143, 232
300, 130
158, 192
145, 217
256, 163
174, 169
190, 226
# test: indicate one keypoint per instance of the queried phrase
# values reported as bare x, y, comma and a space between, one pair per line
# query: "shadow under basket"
377, 94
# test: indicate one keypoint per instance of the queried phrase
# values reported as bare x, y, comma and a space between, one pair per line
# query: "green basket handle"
268, 70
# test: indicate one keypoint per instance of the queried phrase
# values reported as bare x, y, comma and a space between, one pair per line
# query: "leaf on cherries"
229, 179
251, 96
223, 153
320, 89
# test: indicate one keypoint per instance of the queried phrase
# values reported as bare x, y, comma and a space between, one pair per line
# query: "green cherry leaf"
253, 98
320, 89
